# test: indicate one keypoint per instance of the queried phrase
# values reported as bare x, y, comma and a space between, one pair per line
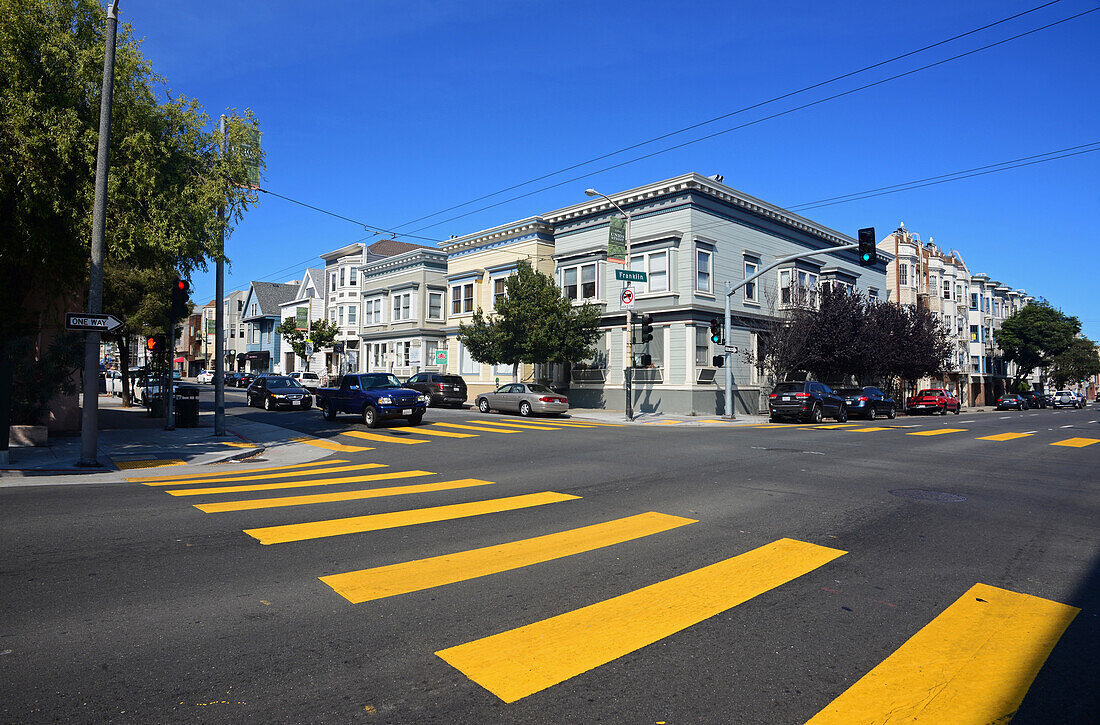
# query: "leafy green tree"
1035, 335
1076, 362
322, 333
532, 323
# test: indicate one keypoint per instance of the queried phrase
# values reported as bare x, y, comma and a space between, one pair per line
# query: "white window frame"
343, 276
373, 311
903, 274
402, 306
442, 305
643, 262
352, 317
578, 270
704, 270
340, 316
750, 291
462, 299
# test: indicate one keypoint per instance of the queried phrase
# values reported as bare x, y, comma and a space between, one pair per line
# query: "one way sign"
85, 322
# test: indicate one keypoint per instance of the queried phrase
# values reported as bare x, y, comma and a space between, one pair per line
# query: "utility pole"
629, 369
89, 423
219, 311
732, 289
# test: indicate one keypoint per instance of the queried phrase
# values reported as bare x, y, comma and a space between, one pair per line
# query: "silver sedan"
525, 399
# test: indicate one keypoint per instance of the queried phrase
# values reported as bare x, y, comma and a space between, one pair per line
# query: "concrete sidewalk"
130, 442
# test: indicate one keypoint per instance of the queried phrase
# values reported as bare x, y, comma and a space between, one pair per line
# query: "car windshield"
283, 384
374, 382
788, 388
536, 388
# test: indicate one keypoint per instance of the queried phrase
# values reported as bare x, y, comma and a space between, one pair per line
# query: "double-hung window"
402, 307
351, 314
579, 282
500, 287
462, 298
703, 270
947, 289
351, 276
343, 271
435, 305
797, 286
903, 274
655, 265
340, 316
372, 311
973, 300
749, 290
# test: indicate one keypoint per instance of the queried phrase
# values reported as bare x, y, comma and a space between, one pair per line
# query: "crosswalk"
977, 658
1074, 442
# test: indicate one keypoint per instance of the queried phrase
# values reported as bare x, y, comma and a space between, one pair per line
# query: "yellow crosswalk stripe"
522, 661
1004, 437
422, 430
178, 481
869, 429
1077, 442
474, 427
527, 426
412, 576
376, 522
331, 445
972, 664
296, 484
385, 438
940, 432
582, 421
266, 503
237, 473
835, 426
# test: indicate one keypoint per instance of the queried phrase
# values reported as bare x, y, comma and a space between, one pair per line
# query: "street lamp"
629, 311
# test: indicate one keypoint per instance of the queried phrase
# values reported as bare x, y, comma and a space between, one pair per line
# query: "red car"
933, 400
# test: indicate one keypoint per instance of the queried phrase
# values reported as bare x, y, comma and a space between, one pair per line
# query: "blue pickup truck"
375, 396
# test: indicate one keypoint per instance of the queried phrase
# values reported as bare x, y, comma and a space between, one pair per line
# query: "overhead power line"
368, 227
715, 119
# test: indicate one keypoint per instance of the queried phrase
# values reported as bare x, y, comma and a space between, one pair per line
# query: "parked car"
1067, 399
1034, 400
278, 391
440, 389
149, 387
932, 400
113, 381
525, 399
867, 402
375, 396
245, 379
805, 400
1048, 398
1011, 401
206, 377
309, 381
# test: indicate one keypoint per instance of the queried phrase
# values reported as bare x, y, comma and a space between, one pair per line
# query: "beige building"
477, 266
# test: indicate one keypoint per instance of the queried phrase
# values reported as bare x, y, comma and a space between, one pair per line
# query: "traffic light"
715, 331
179, 292
868, 253
155, 344
645, 322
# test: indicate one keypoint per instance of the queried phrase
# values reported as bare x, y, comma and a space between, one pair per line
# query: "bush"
37, 381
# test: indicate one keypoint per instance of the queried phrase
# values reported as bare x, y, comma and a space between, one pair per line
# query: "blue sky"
390, 111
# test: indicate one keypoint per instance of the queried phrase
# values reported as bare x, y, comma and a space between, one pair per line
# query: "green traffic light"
866, 257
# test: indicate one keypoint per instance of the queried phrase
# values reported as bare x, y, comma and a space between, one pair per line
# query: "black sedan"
1034, 400
867, 402
1011, 401
805, 400
278, 391
244, 379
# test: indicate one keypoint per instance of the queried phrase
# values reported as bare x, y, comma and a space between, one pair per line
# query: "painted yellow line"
1077, 442
331, 445
791, 426
664, 422
1004, 437
971, 664
267, 503
413, 576
474, 427
148, 463
376, 522
381, 437
939, 432
238, 444
866, 430
582, 421
180, 481
835, 426
519, 662
237, 473
296, 484
443, 433
527, 426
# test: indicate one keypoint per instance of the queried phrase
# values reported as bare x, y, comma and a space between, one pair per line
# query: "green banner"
301, 318
211, 326
616, 240
250, 152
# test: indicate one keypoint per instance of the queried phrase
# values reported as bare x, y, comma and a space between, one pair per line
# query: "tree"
532, 323
1076, 362
1034, 336
322, 333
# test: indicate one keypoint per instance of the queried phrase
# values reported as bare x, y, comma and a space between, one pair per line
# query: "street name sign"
85, 322
626, 299
629, 275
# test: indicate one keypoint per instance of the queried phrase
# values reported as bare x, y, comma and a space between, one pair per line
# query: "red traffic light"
181, 285
151, 343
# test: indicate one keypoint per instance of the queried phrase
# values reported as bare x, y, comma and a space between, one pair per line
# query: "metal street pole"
629, 370
732, 289
89, 423
219, 313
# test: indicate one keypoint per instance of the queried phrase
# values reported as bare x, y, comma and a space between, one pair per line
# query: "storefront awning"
180, 359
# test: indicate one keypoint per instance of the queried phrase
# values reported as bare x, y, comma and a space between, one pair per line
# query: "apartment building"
307, 306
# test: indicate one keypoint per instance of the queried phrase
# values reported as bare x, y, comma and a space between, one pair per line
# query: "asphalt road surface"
556, 573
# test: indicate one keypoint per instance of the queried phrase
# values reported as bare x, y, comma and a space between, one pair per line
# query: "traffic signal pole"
731, 290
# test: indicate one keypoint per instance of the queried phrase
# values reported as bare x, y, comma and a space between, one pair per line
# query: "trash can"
186, 403
156, 407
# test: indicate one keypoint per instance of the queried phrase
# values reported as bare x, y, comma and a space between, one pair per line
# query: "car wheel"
958, 409
773, 419
483, 405
842, 414
416, 419
815, 414
431, 401
370, 417
892, 413
525, 409
327, 411
871, 413
942, 411
269, 404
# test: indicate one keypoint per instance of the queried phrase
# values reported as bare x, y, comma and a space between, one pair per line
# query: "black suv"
441, 389
1034, 400
805, 400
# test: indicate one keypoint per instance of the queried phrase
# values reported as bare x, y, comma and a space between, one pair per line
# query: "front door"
288, 366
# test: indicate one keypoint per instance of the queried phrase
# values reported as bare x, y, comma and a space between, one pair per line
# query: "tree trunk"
515, 372
7, 366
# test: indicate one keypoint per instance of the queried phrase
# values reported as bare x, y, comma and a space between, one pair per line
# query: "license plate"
788, 397
406, 411
296, 402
